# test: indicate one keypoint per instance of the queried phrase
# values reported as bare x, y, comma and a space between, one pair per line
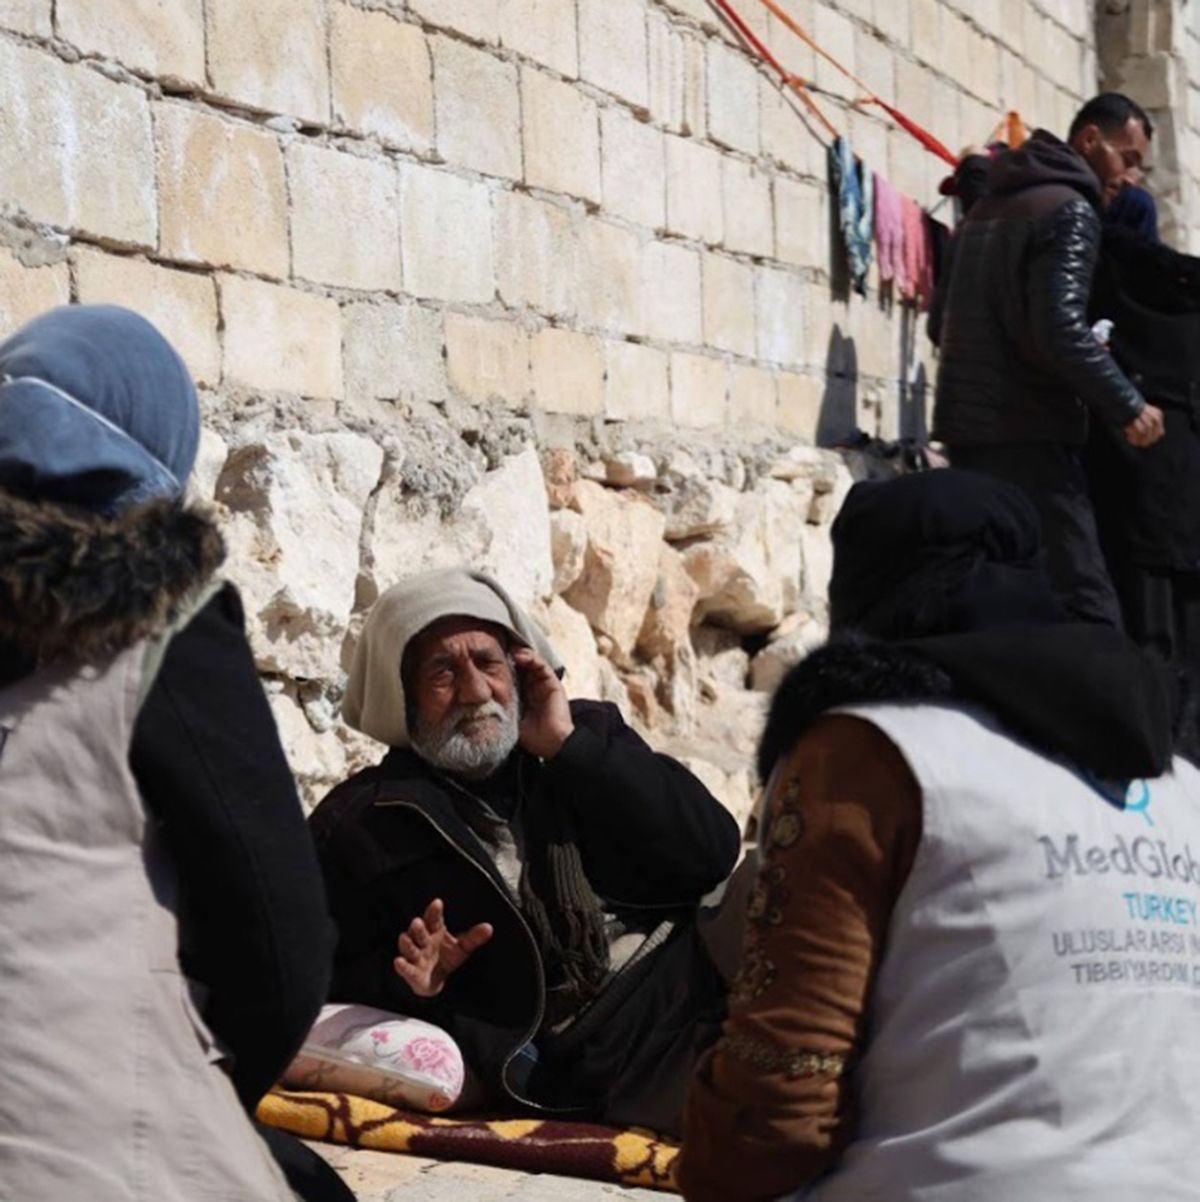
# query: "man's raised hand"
546, 721
429, 953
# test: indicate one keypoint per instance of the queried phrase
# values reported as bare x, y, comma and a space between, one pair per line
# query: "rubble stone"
788, 645
668, 622
568, 547
630, 469
510, 504
697, 507
296, 505
621, 567
570, 634
750, 577
560, 469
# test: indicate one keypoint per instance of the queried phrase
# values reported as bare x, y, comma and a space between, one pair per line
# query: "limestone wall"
415, 249
1151, 50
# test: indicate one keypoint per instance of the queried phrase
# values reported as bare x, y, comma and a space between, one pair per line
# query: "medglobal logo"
1143, 856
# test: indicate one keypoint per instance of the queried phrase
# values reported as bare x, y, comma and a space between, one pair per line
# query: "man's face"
1117, 157
466, 712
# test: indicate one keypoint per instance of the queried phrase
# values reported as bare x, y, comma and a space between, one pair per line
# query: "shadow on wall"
912, 422
838, 417
914, 398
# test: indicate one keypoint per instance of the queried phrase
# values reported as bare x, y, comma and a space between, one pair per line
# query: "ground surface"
391, 1177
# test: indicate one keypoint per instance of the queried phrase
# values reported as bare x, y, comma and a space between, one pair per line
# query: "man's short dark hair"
1110, 111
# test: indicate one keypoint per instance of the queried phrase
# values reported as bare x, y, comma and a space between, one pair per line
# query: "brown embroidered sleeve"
770, 1105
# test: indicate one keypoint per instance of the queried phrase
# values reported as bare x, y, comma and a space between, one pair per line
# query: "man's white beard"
458, 747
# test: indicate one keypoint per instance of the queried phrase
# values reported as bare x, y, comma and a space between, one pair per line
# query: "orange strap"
798, 85
1017, 130
922, 135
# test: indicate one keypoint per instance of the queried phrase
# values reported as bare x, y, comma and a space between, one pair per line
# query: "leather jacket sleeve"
1063, 259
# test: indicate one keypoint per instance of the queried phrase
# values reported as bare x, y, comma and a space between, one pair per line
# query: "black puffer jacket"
1018, 360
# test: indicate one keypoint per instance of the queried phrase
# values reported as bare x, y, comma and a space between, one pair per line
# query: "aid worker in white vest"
972, 968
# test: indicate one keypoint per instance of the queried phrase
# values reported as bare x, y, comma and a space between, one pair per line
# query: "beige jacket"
113, 1087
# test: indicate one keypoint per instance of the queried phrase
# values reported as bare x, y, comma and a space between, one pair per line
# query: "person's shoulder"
400, 770
349, 798
595, 714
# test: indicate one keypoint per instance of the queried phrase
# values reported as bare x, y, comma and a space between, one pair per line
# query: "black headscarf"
937, 553
939, 594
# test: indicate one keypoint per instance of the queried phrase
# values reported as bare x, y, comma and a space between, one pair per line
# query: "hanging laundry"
889, 234
855, 197
918, 254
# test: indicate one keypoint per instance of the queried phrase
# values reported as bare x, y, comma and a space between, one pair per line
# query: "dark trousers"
1052, 476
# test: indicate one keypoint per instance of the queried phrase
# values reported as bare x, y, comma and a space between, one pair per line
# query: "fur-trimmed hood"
1078, 691
78, 587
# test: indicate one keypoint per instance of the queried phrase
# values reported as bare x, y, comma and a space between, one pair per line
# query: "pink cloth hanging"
889, 234
918, 254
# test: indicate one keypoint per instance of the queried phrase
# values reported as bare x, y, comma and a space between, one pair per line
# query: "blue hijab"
96, 409
1134, 208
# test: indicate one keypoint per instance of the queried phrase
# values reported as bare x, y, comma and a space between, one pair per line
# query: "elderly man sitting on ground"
521, 870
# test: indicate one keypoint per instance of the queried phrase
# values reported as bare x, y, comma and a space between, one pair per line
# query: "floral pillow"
377, 1055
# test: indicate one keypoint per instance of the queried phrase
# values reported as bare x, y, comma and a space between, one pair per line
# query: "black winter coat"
653, 841
1148, 500
1018, 360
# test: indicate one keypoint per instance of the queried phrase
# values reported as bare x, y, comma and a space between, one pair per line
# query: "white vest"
1034, 1029
111, 1087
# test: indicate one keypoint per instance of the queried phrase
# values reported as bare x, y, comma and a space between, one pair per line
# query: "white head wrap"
375, 702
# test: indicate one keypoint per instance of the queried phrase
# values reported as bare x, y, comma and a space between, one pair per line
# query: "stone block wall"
413, 249
1151, 50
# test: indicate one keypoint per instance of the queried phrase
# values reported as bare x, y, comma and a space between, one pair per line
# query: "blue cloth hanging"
854, 192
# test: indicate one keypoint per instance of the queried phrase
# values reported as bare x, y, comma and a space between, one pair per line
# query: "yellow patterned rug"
631, 1156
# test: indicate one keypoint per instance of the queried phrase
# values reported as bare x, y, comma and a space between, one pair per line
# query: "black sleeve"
937, 305
254, 928
649, 832
1062, 263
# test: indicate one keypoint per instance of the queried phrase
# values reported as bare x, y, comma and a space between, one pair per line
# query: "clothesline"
903, 232
870, 210
932, 144
804, 88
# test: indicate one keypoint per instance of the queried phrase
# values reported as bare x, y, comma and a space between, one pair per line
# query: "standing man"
1020, 369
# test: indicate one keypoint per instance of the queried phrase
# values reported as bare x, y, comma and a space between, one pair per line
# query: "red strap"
922, 135
793, 81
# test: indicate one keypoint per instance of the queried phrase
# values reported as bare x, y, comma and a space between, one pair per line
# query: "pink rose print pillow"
373, 1054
